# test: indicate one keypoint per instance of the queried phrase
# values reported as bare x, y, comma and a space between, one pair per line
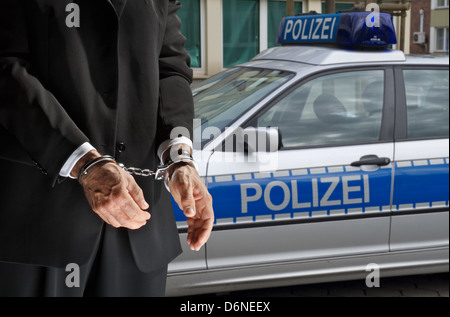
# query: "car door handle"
372, 160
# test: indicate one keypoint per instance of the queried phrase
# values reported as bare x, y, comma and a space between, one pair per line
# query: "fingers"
184, 190
200, 227
199, 231
120, 210
193, 198
136, 193
116, 198
122, 215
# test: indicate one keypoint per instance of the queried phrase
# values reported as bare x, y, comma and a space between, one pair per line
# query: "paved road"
433, 285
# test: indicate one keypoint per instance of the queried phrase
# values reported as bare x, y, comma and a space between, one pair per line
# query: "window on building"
339, 6
276, 11
442, 4
441, 40
191, 28
240, 31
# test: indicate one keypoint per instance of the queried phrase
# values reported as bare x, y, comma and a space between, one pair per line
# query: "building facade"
429, 26
223, 33
439, 22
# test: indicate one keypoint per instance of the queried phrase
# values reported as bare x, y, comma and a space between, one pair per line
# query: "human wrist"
183, 162
165, 147
97, 162
175, 152
88, 157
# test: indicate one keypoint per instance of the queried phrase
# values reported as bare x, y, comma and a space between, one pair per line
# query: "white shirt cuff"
166, 145
74, 158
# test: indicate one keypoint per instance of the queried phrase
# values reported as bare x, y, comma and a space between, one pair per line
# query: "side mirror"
251, 140
261, 139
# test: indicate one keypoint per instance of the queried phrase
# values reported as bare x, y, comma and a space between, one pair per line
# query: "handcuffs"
161, 172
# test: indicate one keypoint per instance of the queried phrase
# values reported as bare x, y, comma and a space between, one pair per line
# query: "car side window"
427, 102
336, 109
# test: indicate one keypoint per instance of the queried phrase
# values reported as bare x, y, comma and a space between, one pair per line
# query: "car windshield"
222, 99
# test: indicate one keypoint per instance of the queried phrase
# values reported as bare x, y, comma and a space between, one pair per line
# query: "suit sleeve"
30, 116
176, 108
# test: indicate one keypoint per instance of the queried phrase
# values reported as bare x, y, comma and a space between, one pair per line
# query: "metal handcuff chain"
137, 171
159, 174
161, 171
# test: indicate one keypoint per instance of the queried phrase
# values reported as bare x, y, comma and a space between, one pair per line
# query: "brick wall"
416, 5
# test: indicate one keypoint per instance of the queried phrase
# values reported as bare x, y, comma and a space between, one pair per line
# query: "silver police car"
323, 162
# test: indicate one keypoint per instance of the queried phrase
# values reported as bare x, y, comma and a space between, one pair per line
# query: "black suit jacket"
120, 78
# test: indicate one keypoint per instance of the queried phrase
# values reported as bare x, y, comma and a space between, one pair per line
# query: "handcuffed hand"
192, 196
115, 197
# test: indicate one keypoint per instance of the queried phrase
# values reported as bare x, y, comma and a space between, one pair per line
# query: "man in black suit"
80, 80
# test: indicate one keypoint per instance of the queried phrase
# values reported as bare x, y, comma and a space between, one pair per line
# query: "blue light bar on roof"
345, 29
